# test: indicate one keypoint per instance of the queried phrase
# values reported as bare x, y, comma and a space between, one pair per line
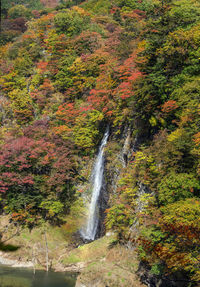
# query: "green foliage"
21, 105
23, 65
63, 4
97, 7
71, 22
183, 213
124, 63
176, 187
184, 13
18, 11
86, 130
52, 206
120, 218
8, 36
32, 4
157, 269
79, 74
129, 5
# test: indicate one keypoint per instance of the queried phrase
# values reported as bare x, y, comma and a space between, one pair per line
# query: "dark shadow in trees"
8, 247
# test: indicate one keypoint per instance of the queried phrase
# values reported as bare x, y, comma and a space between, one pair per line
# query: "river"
22, 277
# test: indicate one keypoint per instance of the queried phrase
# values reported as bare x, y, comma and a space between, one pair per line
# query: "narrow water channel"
89, 231
21, 277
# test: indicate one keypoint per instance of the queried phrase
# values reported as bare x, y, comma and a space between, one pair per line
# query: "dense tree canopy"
66, 74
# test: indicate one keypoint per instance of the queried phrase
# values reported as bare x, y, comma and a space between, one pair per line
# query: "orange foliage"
197, 139
42, 66
169, 106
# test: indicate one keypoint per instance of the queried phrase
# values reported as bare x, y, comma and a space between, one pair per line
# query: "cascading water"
89, 231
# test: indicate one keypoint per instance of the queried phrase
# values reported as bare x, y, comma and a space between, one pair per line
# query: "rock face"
126, 147
76, 267
109, 184
103, 204
151, 280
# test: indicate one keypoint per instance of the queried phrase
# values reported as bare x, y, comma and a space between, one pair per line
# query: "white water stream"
89, 231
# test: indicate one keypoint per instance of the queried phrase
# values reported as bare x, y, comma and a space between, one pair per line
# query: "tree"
70, 22
18, 11
36, 175
176, 187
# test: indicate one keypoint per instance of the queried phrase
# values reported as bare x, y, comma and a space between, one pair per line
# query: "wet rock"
177, 279
103, 205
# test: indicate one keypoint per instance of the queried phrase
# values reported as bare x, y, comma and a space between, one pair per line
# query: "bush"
18, 11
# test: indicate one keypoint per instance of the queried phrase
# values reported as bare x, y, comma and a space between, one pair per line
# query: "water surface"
22, 277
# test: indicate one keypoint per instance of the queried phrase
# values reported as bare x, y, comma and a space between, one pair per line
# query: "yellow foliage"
153, 121
139, 156
175, 135
80, 10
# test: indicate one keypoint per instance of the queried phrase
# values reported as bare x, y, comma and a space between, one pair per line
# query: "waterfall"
89, 231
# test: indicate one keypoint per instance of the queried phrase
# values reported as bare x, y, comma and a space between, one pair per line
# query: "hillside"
69, 71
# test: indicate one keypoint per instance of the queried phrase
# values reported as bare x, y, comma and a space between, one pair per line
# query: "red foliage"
35, 154
135, 14
68, 113
113, 41
128, 75
100, 100
36, 13
42, 66
42, 94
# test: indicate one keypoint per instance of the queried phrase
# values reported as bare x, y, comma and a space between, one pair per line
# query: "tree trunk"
47, 252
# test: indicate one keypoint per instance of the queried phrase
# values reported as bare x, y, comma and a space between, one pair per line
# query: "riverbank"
108, 265
99, 263
14, 263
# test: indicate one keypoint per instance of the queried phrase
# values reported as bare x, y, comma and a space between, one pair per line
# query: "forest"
71, 69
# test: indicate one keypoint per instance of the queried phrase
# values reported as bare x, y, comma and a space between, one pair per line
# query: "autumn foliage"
66, 74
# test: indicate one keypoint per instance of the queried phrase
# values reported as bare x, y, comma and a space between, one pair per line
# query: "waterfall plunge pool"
24, 277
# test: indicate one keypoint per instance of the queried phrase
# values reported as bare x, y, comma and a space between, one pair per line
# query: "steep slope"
132, 65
